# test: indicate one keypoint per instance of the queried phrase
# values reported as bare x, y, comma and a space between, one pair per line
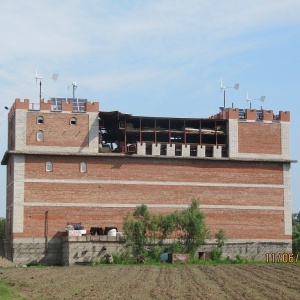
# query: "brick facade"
246, 193
262, 138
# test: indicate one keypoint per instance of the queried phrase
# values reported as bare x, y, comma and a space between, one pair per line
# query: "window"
40, 120
83, 167
73, 121
40, 135
48, 166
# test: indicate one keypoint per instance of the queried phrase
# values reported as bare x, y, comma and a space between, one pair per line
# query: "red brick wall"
135, 194
263, 138
152, 169
253, 224
238, 223
57, 129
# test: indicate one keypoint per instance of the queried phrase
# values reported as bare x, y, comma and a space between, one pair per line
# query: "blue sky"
162, 58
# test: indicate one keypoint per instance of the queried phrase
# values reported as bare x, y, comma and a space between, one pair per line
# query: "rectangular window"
48, 166
83, 167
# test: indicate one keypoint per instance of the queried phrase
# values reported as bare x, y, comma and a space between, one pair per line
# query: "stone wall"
252, 250
89, 249
35, 251
86, 249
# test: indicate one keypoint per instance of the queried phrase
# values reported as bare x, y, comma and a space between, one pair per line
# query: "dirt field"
157, 282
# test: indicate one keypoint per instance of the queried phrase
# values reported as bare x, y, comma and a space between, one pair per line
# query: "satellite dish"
74, 86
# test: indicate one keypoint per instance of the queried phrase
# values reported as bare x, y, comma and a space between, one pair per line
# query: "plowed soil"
265, 281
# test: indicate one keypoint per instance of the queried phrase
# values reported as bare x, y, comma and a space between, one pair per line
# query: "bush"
216, 254
2, 228
176, 247
154, 253
240, 259
142, 227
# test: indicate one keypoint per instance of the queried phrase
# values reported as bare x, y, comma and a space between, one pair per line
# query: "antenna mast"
74, 85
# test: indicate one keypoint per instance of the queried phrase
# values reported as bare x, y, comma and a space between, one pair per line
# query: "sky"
153, 58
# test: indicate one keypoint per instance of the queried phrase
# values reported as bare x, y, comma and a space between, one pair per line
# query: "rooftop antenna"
262, 99
223, 87
54, 77
74, 86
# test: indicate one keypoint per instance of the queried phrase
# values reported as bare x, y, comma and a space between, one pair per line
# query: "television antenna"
262, 99
74, 86
54, 77
223, 88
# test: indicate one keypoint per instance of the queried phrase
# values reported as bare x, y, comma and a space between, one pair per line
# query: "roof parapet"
253, 115
66, 105
284, 116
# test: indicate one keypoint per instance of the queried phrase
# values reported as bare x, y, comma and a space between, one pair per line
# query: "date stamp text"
281, 258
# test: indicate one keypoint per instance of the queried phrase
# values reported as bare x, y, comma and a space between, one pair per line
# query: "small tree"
220, 239
166, 226
135, 232
2, 228
195, 232
136, 229
296, 233
189, 224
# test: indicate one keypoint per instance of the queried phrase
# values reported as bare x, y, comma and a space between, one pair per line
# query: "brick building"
66, 161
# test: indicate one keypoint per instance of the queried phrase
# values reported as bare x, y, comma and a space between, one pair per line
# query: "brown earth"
265, 281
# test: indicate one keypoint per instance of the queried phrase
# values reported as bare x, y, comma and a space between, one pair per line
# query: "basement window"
40, 136
40, 120
83, 167
48, 166
73, 121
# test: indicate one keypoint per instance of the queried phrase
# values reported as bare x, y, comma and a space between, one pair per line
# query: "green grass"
8, 292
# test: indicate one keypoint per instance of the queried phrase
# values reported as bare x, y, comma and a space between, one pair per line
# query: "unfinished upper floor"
76, 126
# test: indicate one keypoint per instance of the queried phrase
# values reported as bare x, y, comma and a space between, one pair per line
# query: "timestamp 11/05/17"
281, 257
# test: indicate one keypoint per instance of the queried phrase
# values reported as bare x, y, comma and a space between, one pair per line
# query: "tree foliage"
187, 226
296, 232
2, 228
220, 239
194, 229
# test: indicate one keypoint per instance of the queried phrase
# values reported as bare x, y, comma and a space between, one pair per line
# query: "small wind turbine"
262, 99
54, 77
236, 87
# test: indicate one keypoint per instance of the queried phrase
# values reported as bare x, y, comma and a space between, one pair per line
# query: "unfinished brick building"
66, 161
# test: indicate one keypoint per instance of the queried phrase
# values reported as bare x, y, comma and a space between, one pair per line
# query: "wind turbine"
236, 87
54, 77
262, 99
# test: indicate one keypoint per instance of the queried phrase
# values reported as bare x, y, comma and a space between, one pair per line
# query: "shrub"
216, 254
2, 228
240, 259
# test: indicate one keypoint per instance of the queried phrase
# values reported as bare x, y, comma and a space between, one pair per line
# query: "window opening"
83, 167
40, 120
40, 136
73, 121
48, 166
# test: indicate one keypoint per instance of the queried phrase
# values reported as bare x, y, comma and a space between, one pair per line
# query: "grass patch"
8, 292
